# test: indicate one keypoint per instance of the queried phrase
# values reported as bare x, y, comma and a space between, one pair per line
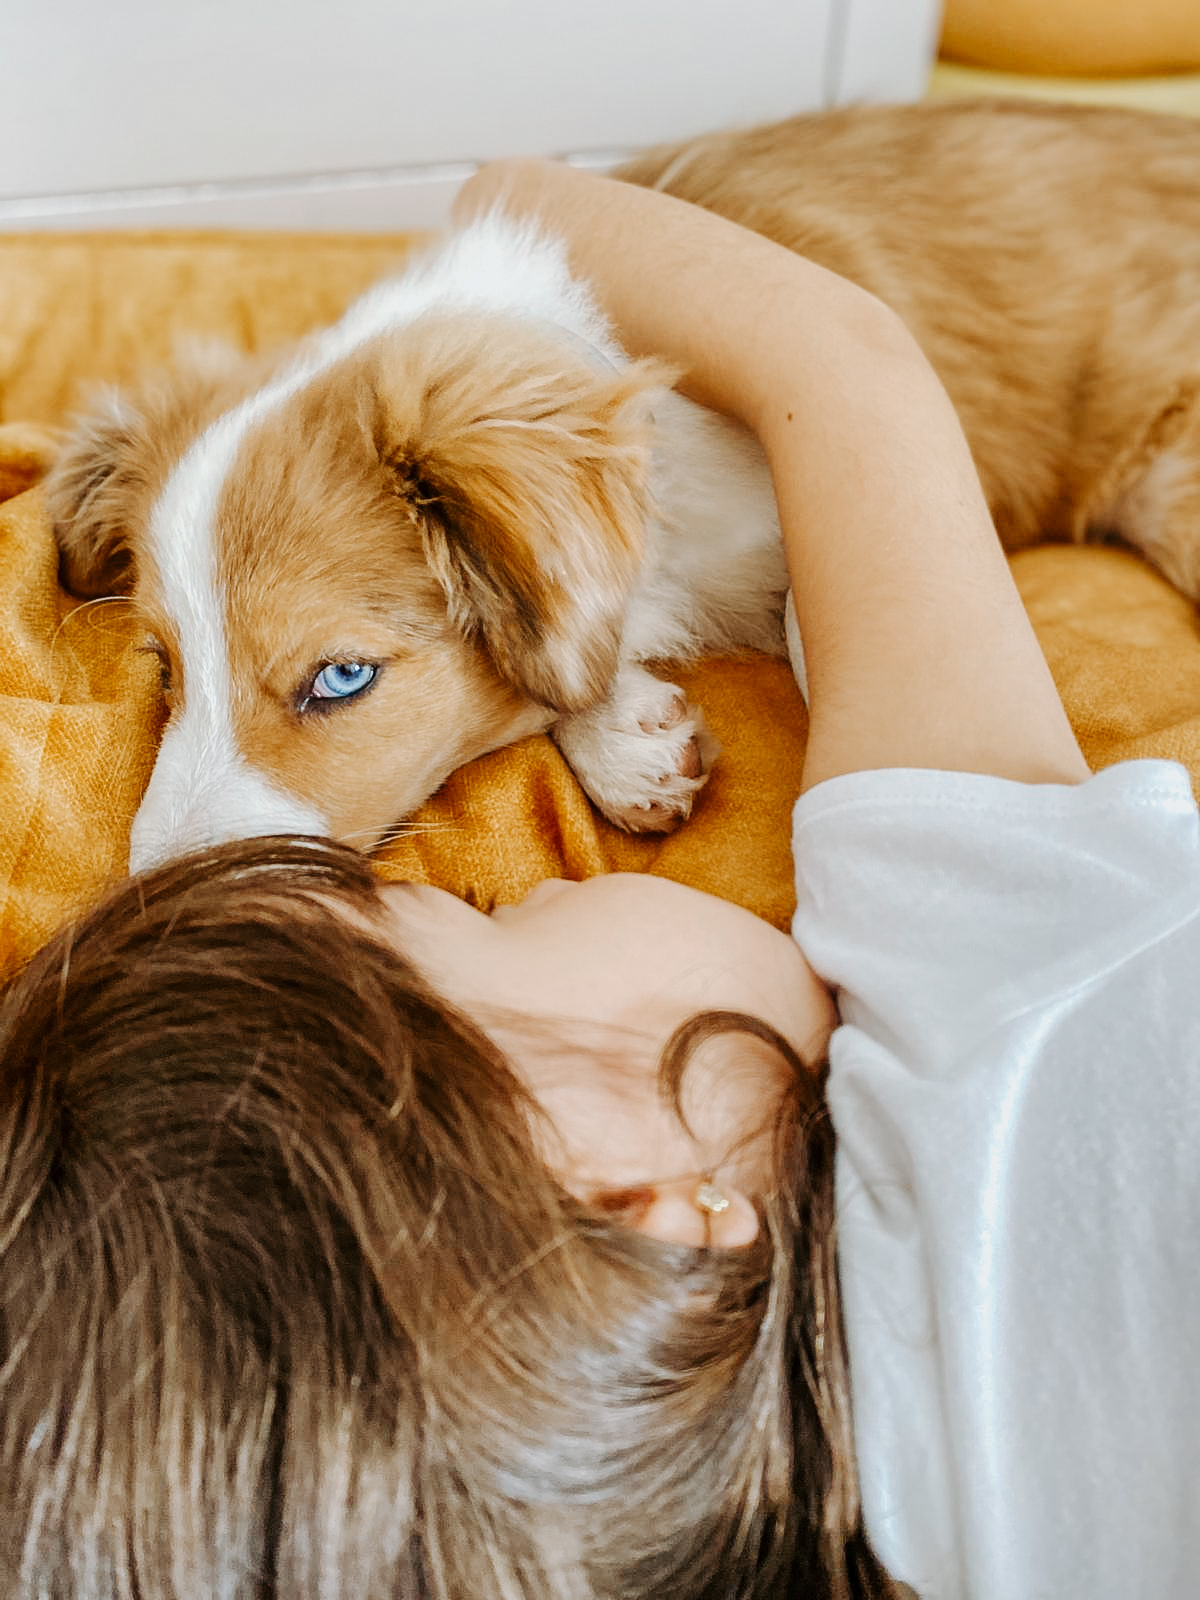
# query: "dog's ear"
118, 453
526, 459
87, 495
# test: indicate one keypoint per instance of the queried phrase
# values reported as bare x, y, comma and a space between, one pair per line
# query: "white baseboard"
395, 200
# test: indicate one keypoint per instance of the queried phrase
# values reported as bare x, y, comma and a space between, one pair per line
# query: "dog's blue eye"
340, 680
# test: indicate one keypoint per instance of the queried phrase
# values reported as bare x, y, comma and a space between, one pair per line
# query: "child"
357, 1243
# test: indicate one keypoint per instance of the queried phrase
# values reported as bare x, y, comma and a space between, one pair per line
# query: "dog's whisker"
91, 605
57, 637
401, 831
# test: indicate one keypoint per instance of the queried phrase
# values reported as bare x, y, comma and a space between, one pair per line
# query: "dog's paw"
642, 754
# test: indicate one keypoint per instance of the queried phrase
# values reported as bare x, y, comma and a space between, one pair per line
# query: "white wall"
368, 113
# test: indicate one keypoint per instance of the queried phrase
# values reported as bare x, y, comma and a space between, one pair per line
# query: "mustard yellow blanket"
79, 715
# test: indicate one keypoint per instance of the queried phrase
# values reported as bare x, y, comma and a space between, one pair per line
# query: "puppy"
461, 515
458, 517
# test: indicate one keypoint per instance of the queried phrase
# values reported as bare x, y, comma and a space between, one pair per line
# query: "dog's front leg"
641, 754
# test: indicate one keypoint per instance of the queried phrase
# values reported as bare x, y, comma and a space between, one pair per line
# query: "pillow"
1101, 37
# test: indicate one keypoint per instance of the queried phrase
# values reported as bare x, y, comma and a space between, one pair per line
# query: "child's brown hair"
288, 1305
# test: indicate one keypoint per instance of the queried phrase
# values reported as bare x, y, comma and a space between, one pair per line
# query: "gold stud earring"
708, 1198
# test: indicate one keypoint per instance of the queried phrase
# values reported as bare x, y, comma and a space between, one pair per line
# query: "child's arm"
918, 649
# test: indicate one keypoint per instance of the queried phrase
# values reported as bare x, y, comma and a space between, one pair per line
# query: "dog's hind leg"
642, 754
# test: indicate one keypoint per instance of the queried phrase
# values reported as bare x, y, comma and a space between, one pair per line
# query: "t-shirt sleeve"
941, 904
1014, 1093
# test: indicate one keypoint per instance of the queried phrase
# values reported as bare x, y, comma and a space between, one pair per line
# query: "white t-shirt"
1016, 1095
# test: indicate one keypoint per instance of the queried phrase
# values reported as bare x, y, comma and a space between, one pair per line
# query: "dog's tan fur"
442, 505
1047, 259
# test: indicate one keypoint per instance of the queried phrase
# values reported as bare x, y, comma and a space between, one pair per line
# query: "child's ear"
528, 465
707, 1217
87, 494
